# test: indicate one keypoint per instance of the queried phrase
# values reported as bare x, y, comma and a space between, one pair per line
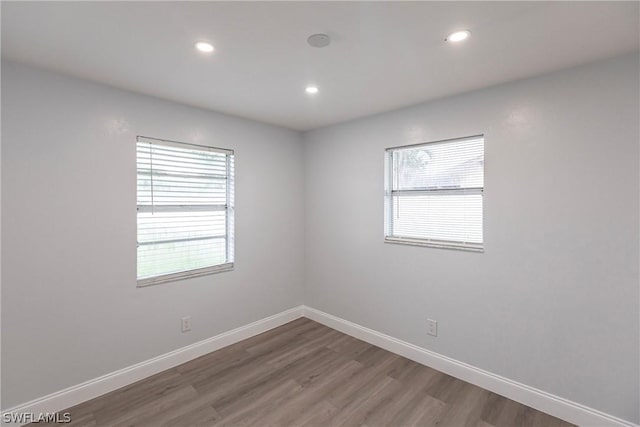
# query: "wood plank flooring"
304, 374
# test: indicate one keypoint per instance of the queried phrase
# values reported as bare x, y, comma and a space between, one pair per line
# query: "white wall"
70, 307
553, 300
552, 303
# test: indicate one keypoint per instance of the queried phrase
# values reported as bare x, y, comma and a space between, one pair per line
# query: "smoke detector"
319, 40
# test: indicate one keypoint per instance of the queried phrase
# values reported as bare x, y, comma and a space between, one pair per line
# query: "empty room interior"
320, 213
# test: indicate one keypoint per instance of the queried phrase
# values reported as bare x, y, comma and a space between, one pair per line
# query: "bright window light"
434, 192
185, 210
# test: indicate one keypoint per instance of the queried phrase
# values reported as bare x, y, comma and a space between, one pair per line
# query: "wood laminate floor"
304, 374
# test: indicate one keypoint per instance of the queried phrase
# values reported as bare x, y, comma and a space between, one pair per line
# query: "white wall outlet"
185, 323
432, 327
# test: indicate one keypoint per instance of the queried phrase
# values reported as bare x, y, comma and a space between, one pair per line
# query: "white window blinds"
433, 194
185, 210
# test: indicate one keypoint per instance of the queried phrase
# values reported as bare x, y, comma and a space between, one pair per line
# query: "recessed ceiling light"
204, 47
311, 89
458, 36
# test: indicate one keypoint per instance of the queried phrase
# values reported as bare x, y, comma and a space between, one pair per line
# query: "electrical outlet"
185, 323
432, 327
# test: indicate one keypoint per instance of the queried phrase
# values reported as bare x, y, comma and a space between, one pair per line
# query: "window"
433, 194
185, 210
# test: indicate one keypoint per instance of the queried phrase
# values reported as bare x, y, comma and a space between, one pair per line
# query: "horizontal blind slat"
181, 146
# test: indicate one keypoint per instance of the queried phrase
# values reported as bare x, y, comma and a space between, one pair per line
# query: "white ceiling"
384, 55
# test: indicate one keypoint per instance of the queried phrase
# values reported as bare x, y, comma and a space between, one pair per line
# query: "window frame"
389, 206
229, 209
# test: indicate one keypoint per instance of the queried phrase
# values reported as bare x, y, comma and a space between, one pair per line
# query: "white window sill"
467, 247
182, 275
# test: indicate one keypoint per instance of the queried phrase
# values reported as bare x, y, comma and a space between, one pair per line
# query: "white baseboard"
546, 402
562, 408
96, 387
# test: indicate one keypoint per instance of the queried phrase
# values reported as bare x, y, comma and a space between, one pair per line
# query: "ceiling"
383, 55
